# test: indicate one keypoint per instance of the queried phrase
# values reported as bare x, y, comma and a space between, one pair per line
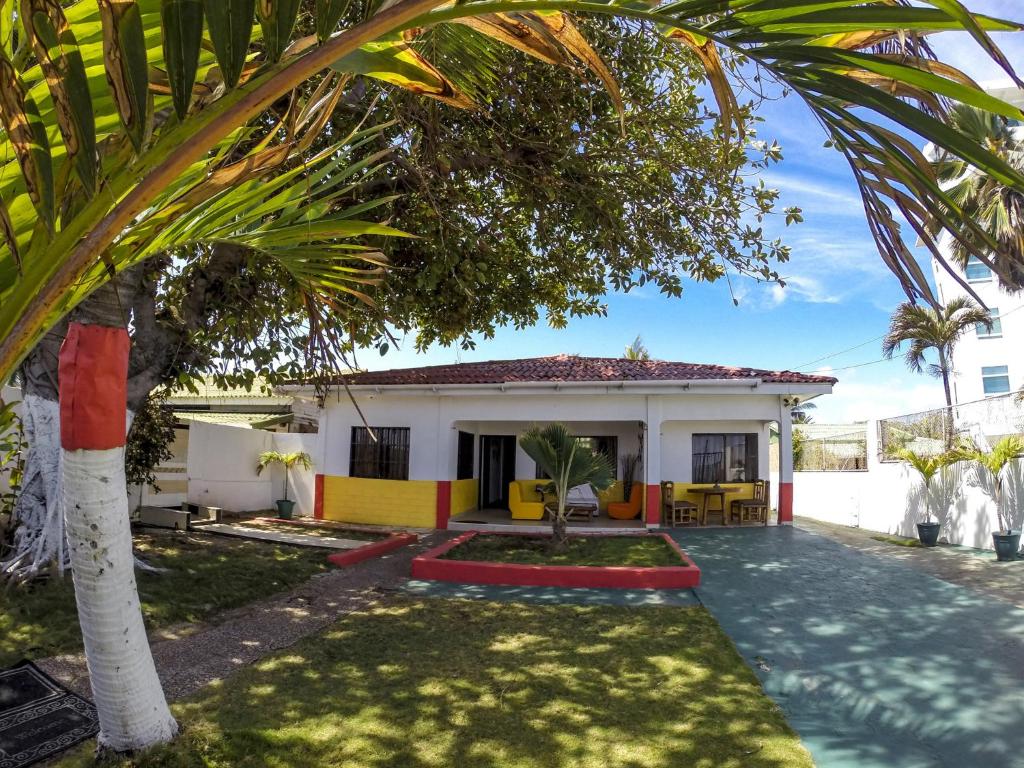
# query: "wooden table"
719, 491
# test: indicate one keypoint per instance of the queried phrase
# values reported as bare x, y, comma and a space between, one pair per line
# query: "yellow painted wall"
681, 491
403, 503
464, 496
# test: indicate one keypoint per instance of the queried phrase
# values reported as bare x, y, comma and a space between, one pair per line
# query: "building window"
386, 458
995, 379
984, 332
608, 445
977, 271
728, 458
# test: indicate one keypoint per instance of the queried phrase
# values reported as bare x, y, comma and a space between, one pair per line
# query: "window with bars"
608, 445
725, 458
386, 458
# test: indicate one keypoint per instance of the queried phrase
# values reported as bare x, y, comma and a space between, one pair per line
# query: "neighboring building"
986, 363
444, 440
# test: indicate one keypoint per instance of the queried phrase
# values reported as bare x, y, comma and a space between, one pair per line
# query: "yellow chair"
523, 510
627, 510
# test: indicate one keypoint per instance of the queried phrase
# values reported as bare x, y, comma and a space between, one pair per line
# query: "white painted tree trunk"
39, 537
133, 712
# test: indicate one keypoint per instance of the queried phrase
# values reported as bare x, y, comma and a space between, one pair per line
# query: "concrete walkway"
875, 663
298, 538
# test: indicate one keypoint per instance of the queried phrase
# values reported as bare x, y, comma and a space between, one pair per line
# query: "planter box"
389, 543
431, 565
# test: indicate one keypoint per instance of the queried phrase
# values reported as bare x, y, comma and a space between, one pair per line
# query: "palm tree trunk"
129, 699
559, 528
947, 427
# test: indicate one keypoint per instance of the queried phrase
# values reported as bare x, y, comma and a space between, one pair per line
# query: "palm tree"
927, 467
993, 463
97, 177
800, 415
927, 328
636, 350
286, 460
568, 464
998, 208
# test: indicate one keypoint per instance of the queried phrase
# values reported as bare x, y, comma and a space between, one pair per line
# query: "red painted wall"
318, 498
653, 516
444, 504
785, 503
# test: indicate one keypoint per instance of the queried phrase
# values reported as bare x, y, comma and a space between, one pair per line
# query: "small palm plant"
568, 464
941, 484
286, 460
994, 463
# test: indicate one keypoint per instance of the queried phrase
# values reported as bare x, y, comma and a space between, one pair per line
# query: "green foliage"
149, 441
286, 460
799, 442
636, 350
568, 463
994, 462
12, 467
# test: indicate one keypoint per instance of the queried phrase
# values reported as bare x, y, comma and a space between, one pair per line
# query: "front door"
497, 469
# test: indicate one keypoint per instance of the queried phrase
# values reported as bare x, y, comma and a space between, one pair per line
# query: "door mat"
39, 717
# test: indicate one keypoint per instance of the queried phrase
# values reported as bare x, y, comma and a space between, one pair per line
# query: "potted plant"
993, 463
928, 467
568, 464
286, 460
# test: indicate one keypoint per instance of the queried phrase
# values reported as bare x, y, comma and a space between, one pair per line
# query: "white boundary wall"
222, 468
888, 498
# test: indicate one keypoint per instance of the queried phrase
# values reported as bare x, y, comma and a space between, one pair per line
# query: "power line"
841, 352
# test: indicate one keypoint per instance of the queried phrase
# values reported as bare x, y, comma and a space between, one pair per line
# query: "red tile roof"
570, 368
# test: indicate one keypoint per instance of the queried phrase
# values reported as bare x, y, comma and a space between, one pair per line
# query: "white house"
424, 446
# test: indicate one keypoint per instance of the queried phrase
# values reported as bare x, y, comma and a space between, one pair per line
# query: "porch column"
785, 464
447, 461
652, 463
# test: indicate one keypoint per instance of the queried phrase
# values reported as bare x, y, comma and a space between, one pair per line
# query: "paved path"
875, 663
974, 568
281, 537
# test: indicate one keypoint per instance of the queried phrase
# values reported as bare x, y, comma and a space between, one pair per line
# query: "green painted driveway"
876, 664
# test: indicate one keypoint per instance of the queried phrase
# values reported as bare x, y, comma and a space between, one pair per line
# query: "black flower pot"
284, 509
1007, 545
928, 533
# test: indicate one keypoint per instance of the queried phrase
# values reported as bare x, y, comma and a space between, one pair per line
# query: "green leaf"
183, 36
124, 54
277, 19
57, 50
27, 136
328, 14
230, 24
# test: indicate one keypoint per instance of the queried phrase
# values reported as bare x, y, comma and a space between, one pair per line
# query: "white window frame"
987, 376
975, 260
997, 327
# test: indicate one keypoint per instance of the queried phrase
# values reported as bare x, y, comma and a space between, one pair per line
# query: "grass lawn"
316, 530
208, 574
651, 551
431, 683
899, 541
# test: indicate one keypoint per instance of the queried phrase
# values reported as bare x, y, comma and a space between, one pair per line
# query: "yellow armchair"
522, 509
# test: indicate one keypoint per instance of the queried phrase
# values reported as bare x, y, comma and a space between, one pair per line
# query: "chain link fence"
929, 433
830, 447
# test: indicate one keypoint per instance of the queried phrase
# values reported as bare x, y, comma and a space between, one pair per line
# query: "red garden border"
431, 565
352, 556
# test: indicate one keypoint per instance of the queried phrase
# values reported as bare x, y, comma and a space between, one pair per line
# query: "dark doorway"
464, 470
497, 469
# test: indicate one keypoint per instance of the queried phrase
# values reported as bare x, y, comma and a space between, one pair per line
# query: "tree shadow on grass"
437, 682
875, 663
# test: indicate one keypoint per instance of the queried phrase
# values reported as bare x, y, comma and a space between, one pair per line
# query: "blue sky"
838, 295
